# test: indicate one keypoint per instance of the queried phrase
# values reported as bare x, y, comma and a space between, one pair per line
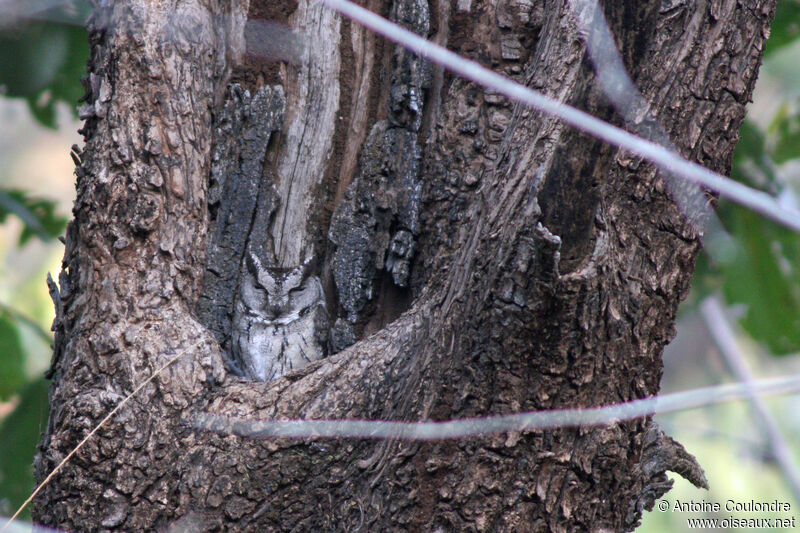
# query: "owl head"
285, 290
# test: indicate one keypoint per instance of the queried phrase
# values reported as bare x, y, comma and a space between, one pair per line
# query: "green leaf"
19, 435
751, 142
760, 270
784, 133
38, 215
43, 61
785, 28
751, 163
12, 358
765, 278
43, 110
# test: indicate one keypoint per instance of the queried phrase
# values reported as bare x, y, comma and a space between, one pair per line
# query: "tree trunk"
401, 243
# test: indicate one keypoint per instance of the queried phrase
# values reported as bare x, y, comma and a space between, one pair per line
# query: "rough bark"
482, 257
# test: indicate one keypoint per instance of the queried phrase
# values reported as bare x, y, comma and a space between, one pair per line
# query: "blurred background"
741, 321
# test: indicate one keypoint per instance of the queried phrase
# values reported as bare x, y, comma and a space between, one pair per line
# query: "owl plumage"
280, 320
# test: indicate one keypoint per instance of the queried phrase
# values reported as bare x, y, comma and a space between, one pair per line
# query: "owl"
280, 321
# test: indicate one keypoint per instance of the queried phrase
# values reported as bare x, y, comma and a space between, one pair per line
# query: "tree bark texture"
475, 258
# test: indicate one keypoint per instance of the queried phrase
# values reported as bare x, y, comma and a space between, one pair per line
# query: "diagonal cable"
725, 341
666, 159
620, 90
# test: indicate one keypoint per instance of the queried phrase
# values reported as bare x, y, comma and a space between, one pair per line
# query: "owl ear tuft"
308, 265
253, 262
263, 276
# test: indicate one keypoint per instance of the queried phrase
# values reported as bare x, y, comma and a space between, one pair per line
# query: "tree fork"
547, 270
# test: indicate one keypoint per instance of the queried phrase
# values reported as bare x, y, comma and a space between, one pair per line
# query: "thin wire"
492, 425
666, 159
619, 88
24, 527
724, 339
92, 433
